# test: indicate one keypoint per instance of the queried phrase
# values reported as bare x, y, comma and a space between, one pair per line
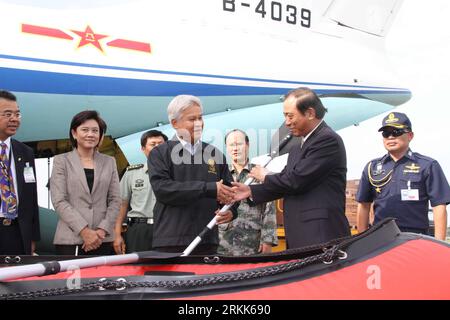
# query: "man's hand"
259, 173
119, 244
224, 193
241, 191
265, 248
224, 217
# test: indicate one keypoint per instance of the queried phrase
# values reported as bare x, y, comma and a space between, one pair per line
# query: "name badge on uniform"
410, 194
28, 174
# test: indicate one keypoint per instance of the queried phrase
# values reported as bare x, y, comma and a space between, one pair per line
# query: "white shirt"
189, 147
309, 134
13, 170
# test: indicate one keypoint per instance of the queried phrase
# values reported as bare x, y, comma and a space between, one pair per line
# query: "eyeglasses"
395, 133
10, 114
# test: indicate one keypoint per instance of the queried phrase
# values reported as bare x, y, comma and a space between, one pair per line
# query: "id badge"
28, 174
410, 194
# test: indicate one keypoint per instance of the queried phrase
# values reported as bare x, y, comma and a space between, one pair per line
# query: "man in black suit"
19, 211
314, 179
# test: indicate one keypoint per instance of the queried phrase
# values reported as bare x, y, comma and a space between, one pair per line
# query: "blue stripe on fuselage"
64, 83
20, 80
24, 80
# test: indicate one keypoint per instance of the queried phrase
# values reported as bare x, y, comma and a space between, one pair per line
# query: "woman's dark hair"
82, 117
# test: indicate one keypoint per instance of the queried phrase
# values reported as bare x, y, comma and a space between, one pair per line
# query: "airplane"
128, 58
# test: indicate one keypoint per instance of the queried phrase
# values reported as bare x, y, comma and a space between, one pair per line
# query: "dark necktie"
8, 195
302, 141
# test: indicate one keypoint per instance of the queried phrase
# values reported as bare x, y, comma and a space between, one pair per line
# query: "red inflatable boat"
381, 263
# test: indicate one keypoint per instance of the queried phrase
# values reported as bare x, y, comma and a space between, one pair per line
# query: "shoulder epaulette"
422, 157
376, 160
135, 166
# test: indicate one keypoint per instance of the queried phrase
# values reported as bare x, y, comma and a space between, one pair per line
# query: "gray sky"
418, 46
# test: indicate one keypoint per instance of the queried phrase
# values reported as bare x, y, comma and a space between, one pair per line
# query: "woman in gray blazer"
84, 187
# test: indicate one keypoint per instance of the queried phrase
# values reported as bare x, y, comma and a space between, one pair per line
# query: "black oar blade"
158, 255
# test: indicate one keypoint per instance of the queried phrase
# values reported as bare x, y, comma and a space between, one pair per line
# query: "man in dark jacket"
19, 211
314, 179
188, 177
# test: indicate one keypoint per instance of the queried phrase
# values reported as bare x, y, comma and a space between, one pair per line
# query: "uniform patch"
413, 168
139, 183
378, 183
391, 118
379, 169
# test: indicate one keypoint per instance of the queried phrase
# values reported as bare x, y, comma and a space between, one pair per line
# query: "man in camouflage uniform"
254, 230
137, 195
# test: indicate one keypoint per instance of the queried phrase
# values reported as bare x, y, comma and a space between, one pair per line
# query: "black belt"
140, 220
7, 222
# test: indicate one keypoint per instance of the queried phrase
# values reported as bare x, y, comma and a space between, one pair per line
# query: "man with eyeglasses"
402, 183
19, 211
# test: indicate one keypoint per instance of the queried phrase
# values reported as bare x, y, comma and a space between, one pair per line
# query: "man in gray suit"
314, 179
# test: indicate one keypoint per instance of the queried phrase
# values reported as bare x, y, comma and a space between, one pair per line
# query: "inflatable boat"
381, 263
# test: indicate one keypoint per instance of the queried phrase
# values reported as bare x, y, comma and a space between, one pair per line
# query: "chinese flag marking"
132, 45
43, 31
89, 37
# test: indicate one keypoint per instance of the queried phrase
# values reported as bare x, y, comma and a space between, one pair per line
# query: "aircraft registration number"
274, 10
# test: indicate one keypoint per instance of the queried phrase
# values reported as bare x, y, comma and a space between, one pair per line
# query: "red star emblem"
89, 37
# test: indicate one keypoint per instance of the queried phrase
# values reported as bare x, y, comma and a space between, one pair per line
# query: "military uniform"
253, 226
136, 189
403, 189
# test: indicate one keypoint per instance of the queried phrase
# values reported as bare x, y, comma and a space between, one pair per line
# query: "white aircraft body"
129, 58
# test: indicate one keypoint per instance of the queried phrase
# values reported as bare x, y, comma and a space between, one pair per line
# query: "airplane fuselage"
129, 59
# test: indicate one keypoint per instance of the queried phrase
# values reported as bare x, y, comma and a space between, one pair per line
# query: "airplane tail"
374, 17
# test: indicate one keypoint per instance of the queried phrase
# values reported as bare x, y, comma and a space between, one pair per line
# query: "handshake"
228, 195
239, 191
225, 194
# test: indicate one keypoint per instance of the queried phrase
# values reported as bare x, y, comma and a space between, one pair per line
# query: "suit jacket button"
90, 207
